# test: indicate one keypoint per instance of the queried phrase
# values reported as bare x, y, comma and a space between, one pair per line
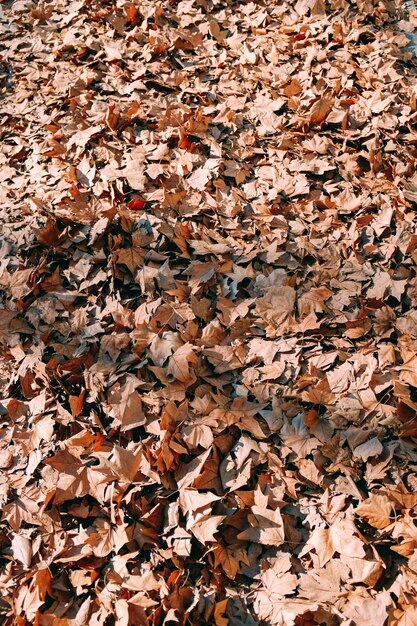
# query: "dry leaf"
208, 317
377, 510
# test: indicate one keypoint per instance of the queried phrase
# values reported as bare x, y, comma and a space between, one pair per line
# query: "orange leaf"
293, 89
132, 14
100, 439
184, 142
77, 404
310, 417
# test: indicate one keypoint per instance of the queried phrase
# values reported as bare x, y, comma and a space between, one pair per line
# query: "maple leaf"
188, 472
321, 110
277, 582
206, 527
370, 611
126, 404
313, 301
297, 437
180, 361
370, 448
200, 273
276, 308
22, 550
339, 537
293, 88
21, 510
266, 527
199, 178
324, 585
132, 256
191, 500
118, 464
230, 558
377, 510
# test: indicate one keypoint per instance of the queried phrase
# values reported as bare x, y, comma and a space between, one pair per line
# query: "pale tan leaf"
377, 510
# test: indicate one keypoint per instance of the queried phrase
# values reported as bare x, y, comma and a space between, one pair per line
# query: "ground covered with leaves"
209, 313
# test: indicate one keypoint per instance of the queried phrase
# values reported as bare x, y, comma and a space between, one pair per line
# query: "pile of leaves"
209, 313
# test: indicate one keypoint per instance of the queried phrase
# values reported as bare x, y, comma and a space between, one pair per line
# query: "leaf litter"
208, 321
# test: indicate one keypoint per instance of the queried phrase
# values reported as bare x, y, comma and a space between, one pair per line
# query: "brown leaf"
276, 308
230, 558
77, 404
266, 527
293, 88
321, 110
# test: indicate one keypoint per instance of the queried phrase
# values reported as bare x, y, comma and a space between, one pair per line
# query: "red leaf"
136, 205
